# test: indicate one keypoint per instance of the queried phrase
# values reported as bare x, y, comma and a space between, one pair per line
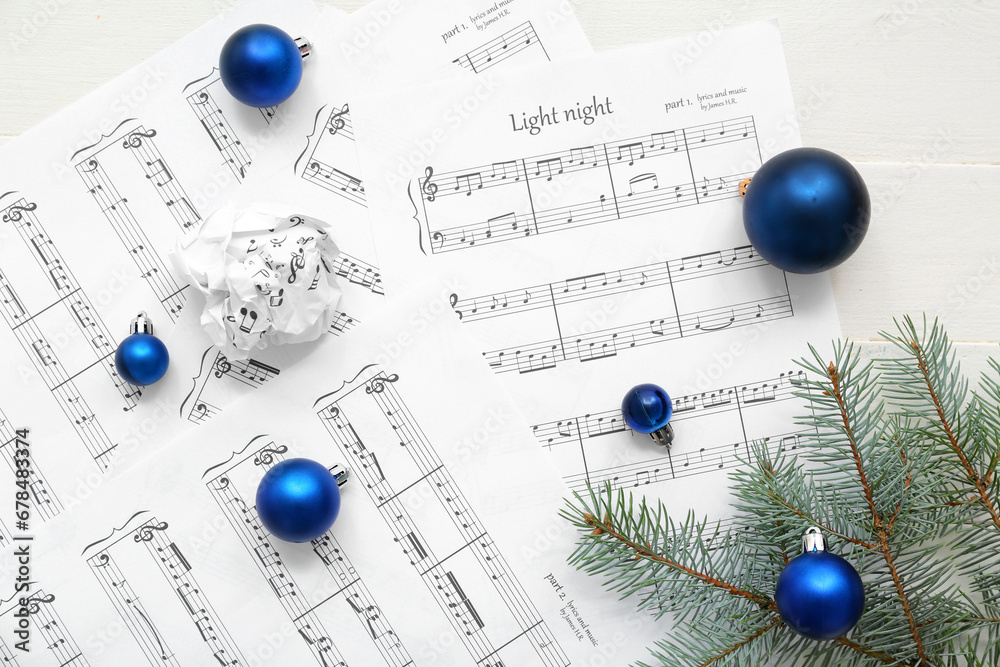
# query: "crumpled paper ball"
267, 275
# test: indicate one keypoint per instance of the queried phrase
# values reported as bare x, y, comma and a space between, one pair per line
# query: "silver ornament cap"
813, 540
141, 324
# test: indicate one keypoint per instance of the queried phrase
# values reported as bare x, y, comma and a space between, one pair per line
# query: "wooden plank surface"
906, 89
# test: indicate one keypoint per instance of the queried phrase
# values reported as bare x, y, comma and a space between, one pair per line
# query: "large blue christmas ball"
298, 500
260, 65
646, 408
820, 595
806, 210
141, 359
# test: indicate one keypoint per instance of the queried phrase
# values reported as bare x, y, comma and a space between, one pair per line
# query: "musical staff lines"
629, 178
214, 122
53, 631
43, 355
438, 574
319, 167
249, 372
358, 272
726, 412
116, 210
336, 181
170, 191
7, 656
130, 608
350, 587
46, 503
22, 215
762, 296
176, 570
501, 48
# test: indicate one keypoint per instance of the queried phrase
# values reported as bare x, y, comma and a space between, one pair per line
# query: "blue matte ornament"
261, 65
299, 499
141, 358
819, 594
647, 409
806, 210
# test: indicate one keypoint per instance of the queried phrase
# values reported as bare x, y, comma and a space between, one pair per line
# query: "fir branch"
871, 653
909, 339
605, 527
881, 531
775, 622
884, 471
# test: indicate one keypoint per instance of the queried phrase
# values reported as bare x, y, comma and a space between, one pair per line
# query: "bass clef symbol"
429, 189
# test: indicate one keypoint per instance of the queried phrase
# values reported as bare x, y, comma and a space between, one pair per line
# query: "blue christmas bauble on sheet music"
260, 65
819, 594
806, 210
298, 500
141, 358
647, 408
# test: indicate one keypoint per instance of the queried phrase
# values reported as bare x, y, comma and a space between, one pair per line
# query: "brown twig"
974, 477
605, 527
878, 655
881, 531
776, 621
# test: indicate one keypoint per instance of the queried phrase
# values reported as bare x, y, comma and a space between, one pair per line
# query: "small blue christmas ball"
298, 500
806, 210
141, 359
820, 595
260, 65
646, 408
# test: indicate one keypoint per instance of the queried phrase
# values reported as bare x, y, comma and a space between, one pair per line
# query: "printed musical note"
158, 173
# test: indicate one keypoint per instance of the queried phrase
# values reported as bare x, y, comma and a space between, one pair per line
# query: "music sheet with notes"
448, 549
589, 216
92, 201
381, 47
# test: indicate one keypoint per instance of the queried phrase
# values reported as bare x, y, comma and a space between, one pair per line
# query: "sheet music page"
315, 171
448, 549
588, 214
90, 201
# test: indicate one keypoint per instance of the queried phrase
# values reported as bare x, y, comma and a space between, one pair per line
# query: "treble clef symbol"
145, 534
15, 212
298, 262
337, 121
35, 602
429, 189
265, 457
134, 140
222, 365
377, 385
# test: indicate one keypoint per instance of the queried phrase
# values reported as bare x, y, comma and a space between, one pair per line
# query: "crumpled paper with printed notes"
267, 276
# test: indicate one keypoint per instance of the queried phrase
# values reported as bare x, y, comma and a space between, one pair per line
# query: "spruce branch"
898, 467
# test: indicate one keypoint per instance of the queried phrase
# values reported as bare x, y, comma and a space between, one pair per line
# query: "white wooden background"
909, 90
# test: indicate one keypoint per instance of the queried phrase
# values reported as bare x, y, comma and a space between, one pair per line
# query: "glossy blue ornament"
819, 594
647, 409
141, 358
298, 500
806, 210
261, 65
